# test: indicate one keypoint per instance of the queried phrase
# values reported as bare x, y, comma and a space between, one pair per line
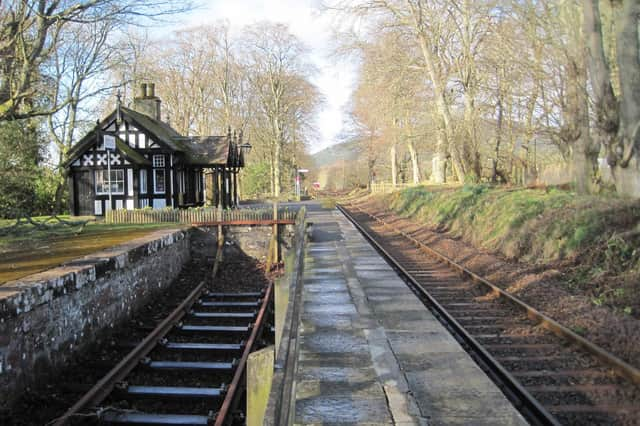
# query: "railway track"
553, 375
189, 369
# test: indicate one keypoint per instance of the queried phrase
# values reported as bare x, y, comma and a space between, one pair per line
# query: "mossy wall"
48, 317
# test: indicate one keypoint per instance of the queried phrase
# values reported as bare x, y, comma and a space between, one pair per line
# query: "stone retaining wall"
252, 241
288, 299
47, 317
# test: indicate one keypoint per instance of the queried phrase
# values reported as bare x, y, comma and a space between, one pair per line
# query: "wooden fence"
385, 187
201, 215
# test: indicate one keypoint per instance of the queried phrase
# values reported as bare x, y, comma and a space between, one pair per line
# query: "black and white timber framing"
153, 165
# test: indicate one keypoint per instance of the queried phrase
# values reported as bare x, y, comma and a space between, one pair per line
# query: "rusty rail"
106, 385
231, 397
518, 394
620, 366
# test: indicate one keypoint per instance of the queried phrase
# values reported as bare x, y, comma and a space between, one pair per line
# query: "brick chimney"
146, 101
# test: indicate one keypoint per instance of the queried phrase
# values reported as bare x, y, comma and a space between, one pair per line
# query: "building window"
158, 181
158, 161
143, 181
117, 181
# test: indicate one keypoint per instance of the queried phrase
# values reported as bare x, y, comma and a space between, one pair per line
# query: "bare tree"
617, 114
83, 54
279, 71
31, 33
389, 97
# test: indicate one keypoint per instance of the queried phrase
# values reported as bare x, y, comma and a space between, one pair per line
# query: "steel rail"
620, 366
106, 385
231, 397
522, 399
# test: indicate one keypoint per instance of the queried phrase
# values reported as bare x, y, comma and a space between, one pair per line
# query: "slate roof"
202, 151
163, 132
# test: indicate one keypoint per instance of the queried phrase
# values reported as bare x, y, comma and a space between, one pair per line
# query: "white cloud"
314, 28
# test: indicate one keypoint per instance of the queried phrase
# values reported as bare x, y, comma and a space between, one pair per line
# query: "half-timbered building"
151, 164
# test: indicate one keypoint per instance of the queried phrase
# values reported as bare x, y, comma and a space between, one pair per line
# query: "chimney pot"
147, 103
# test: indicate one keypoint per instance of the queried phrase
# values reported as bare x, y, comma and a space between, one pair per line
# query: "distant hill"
343, 151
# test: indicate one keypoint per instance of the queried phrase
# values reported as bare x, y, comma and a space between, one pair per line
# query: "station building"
151, 164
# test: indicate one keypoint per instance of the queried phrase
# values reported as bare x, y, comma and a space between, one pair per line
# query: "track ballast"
548, 374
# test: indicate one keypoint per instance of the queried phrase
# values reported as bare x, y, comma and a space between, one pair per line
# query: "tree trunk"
584, 152
439, 159
605, 102
276, 170
456, 162
370, 165
414, 161
618, 119
583, 169
271, 176
529, 176
394, 164
494, 163
62, 184
626, 171
371, 162
441, 102
470, 144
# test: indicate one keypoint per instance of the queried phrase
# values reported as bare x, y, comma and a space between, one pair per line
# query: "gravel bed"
541, 293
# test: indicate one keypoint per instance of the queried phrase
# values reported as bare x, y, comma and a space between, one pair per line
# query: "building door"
85, 193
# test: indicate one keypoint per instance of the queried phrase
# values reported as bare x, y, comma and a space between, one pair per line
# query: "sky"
335, 79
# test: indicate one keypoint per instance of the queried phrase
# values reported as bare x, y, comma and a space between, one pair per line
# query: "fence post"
275, 232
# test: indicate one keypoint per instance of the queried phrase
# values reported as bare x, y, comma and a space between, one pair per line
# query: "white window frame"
143, 181
102, 186
130, 182
158, 161
155, 183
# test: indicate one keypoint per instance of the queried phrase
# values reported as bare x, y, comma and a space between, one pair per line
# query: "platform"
370, 352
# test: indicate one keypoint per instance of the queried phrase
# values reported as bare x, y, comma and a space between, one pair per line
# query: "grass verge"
34, 250
594, 239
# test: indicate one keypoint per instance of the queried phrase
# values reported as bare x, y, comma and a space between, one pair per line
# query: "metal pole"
109, 179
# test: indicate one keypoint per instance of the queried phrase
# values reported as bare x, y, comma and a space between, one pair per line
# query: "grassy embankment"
30, 250
595, 238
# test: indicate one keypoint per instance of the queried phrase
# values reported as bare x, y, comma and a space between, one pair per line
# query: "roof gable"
90, 141
164, 133
204, 151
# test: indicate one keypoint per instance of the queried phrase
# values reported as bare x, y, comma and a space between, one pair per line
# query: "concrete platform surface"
371, 353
